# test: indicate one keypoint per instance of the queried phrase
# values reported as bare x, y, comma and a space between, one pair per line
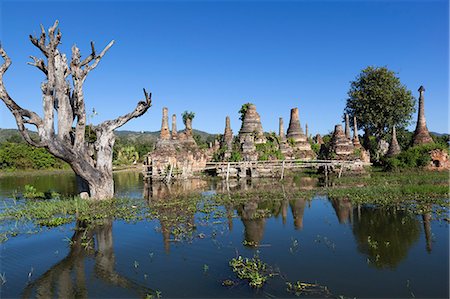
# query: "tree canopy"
187, 115
379, 101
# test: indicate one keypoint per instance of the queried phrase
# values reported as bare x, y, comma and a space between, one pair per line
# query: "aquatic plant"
252, 269
299, 288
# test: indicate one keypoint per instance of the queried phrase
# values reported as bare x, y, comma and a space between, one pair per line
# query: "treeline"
19, 155
129, 148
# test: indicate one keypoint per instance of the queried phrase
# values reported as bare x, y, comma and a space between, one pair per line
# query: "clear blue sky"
210, 57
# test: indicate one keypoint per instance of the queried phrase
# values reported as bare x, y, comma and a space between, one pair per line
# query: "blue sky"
210, 57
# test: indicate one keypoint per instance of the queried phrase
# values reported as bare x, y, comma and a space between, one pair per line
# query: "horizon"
211, 57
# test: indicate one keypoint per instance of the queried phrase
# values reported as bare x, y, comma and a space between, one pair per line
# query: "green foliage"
253, 270
235, 156
32, 193
269, 151
379, 101
126, 150
219, 155
291, 141
203, 141
126, 155
243, 110
443, 139
416, 156
23, 156
187, 115
54, 212
315, 147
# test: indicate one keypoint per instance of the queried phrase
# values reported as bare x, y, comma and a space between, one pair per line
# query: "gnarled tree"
91, 162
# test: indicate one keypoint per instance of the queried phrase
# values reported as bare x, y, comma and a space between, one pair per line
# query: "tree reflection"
385, 235
67, 279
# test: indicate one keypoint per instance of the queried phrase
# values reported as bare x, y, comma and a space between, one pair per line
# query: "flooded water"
353, 251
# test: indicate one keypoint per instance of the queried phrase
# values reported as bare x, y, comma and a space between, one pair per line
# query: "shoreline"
28, 172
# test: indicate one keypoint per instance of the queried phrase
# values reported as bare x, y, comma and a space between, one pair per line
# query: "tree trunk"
91, 162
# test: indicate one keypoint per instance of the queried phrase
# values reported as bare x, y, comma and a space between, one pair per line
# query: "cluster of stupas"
176, 153
293, 144
168, 138
345, 147
180, 149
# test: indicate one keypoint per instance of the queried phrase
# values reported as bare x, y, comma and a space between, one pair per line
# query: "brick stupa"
394, 147
251, 126
421, 134
227, 140
341, 146
302, 148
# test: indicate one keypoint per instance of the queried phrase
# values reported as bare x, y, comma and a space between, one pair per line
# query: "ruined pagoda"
341, 146
394, 147
251, 126
421, 134
302, 148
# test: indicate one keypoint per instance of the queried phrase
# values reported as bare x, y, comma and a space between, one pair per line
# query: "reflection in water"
426, 218
67, 279
385, 235
298, 209
343, 209
254, 222
160, 190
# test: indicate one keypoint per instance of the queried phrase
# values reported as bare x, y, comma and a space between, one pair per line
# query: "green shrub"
416, 156
24, 156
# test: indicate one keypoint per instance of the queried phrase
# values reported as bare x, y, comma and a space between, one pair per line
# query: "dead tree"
91, 162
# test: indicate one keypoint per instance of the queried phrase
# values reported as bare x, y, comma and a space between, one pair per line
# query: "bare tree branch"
21, 115
39, 63
140, 109
90, 57
89, 68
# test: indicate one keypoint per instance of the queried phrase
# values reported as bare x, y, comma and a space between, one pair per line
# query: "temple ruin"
341, 146
165, 133
301, 146
285, 149
394, 147
174, 127
176, 154
355, 140
347, 126
421, 134
227, 139
251, 126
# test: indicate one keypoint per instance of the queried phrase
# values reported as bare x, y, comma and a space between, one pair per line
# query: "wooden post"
282, 171
228, 170
326, 175
340, 170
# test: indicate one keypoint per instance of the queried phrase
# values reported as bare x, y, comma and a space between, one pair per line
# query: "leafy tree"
187, 115
379, 101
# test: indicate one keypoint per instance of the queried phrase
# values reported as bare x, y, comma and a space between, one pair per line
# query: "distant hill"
130, 136
439, 134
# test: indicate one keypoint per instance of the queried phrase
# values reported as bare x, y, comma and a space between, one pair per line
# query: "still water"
353, 251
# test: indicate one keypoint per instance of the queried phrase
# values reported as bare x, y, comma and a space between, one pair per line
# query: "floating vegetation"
228, 283
299, 288
252, 269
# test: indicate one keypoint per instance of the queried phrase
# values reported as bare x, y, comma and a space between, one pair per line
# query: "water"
353, 251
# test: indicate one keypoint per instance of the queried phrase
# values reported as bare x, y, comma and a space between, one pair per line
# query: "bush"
416, 156
24, 156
